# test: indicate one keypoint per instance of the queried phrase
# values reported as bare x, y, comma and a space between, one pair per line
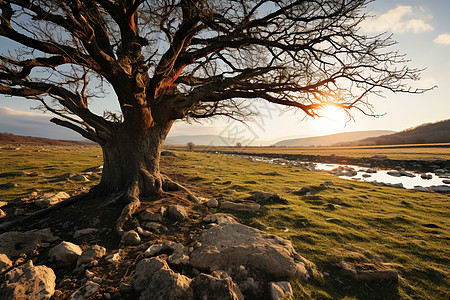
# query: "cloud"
443, 39
33, 124
401, 19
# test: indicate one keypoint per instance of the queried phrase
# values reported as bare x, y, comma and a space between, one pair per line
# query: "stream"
438, 180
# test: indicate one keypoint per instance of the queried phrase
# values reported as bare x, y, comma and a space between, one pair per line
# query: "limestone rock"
15, 243
212, 203
440, 188
232, 245
368, 272
90, 254
218, 286
130, 238
241, 206
79, 177
65, 253
281, 290
266, 198
155, 280
28, 282
5, 262
177, 212
147, 215
79, 233
394, 173
49, 199
84, 292
179, 252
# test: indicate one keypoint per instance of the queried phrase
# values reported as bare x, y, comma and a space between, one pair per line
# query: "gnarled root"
132, 197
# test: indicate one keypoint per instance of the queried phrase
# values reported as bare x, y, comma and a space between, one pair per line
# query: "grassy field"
368, 223
402, 152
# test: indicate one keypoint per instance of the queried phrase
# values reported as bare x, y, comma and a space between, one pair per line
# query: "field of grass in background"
402, 152
368, 223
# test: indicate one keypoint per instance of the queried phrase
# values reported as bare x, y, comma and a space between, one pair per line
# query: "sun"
332, 119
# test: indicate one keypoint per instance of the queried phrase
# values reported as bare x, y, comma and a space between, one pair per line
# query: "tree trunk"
131, 161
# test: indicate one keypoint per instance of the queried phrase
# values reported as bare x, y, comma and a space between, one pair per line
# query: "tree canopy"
181, 59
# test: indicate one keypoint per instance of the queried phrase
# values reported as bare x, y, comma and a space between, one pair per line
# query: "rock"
371, 171
366, 175
168, 153
334, 220
13, 174
79, 233
219, 219
5, 262
212, 203
306, 190
251, 182
394, 173
15, 243
440, 188
241, 206
90, 254
84, 292
3, 203
426, 176
79, 177
2, 214
446, 181
177, 212
114, 258
231, 245
420, 188
8, 185
155, 280
143, 232
65, 253
326, 183
407, 174
331, 206
49, 199
179, 252
153, 226
368, 272
218, 286
266, 198
28, 282
131, 238
281, 290
147, 215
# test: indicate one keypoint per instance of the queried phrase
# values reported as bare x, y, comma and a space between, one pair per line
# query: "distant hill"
327, 140
9, 138
208, 140
429, 133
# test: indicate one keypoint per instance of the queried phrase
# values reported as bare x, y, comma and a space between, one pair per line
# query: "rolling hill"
12, 139
429, 133
327, 140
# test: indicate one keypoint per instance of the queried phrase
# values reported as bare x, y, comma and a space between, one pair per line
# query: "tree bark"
131, 161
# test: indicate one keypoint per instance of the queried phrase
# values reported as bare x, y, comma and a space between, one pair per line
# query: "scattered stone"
331, 206
266, 198
13, 174
334, 220
177, 212
440, 188
219, 219
446, 181
114, 258
326, 183
281, 290
371, 171
65, 253
130, 237
366, 175
28, 282
91, 254
230, 245
240, 206
426, 176
49, 199
84, 292
3, 203
368, 272
147, 215
431, 225
251, 182
125, 288
212, 203
407, 174
394, 173
155, 280
420, 188
8, 185
179, 252
143, 232
218, 286
153, 226
168, 153
272, 174
344, 171
79, 233
79, 177
15, 243
2, 214
5, 262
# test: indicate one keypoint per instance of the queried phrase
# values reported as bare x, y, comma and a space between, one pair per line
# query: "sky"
422, 30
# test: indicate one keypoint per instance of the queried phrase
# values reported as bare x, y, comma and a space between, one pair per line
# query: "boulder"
281, 290
84, 292
241, 206
155, 280
212, 203
178, 252
440, 188
426, 176
218, 286
266, 198
147, 215
446, 181
368, 272
5, 262
177, 212
394, 173
420, 188
16, 243
230, 245
79, 177
130, 238
49, 199
91, 254
28, 282
79, 233
65, 253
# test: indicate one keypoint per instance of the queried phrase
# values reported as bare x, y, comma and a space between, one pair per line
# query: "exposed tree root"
131, 196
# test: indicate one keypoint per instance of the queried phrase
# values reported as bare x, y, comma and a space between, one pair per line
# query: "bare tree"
190, 146
164, 60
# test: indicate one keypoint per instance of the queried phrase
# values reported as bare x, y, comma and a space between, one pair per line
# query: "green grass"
376, 222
